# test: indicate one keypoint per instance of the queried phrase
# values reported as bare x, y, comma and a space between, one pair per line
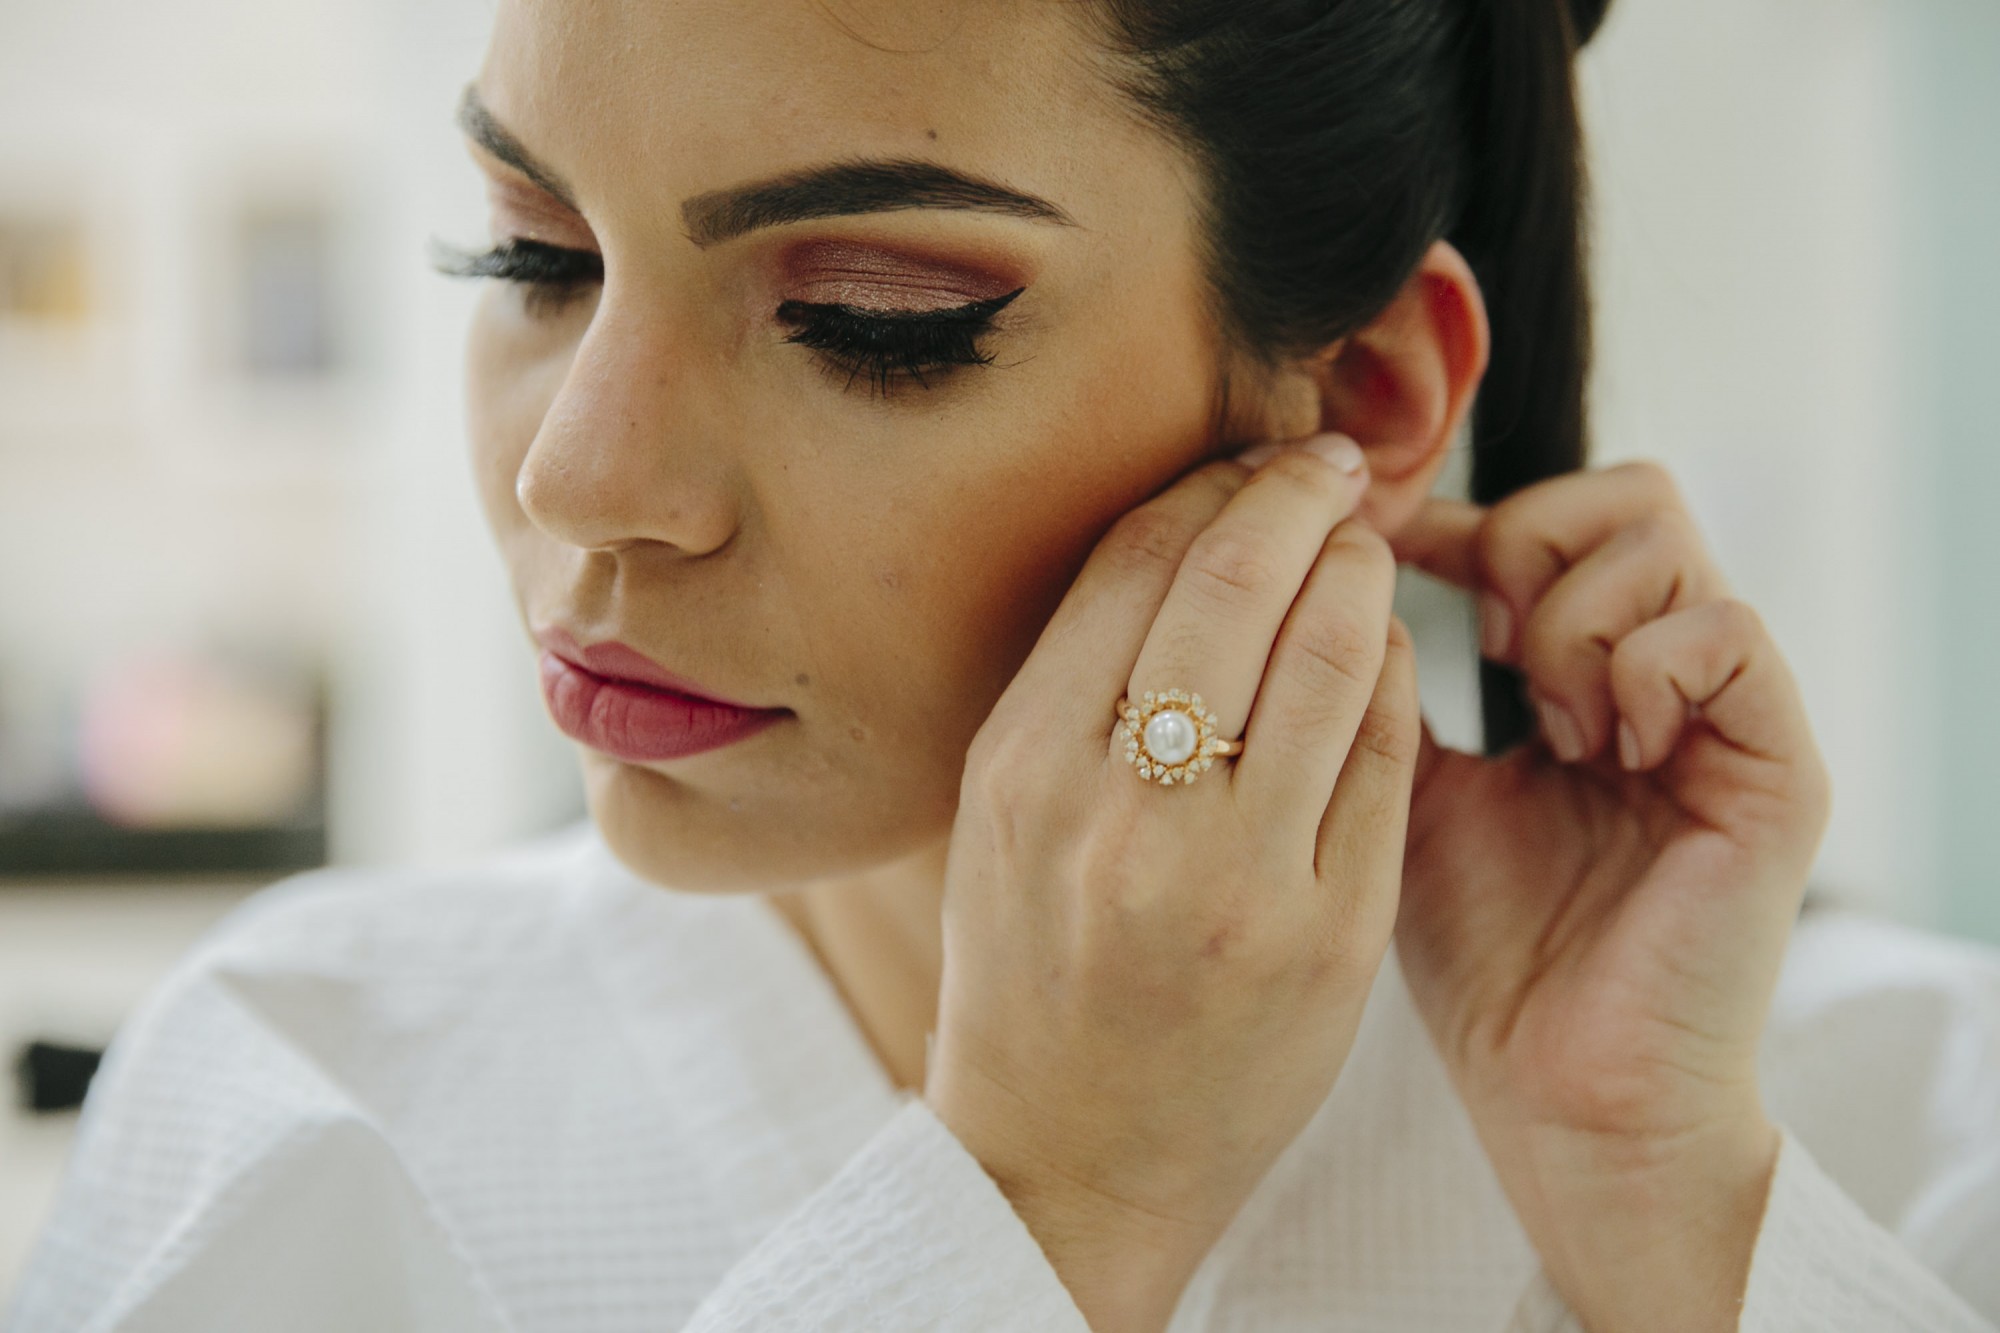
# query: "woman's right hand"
1149, 990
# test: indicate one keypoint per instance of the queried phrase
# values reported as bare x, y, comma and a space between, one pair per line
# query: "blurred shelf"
59, 843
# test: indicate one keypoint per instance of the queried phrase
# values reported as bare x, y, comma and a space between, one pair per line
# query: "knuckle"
1148, 539
1496, 537
1003, 762
1335, 653
1739, 620
1343, 950
1559, 634
1541, 631
1368, 562
1632, 664
1206, 489
1300, 468
1654, 478
1387, 736
1220, 477
1367, 545
1003, 785
1669, 536
1663, 527
1232, 565
1400, 640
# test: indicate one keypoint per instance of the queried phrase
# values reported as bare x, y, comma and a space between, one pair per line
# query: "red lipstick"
615, 699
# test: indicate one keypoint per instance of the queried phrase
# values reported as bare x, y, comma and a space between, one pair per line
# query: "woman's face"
786, 523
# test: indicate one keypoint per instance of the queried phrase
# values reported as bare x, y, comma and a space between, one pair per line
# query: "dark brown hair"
1339, 139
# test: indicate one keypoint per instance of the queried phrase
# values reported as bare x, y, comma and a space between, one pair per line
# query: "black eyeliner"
887, 346
891, 345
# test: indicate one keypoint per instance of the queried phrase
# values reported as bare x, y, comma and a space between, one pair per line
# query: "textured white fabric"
537, 1093
1822, 1263
910, 1234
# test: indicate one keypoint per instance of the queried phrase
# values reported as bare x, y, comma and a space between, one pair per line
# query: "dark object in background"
43, 844
51, 1077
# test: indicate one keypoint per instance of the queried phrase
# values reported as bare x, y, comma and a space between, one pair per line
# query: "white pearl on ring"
1170, 737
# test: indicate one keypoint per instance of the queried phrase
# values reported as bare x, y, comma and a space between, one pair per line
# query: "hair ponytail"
1521, 227
1339, 139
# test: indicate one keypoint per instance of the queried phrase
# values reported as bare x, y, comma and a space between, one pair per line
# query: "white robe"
538, 1093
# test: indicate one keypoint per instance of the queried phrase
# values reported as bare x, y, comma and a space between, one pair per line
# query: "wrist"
1124, 1264
1639, 1236
1125, 1272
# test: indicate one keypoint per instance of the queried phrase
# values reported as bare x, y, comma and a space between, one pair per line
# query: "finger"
1530, 538
1433, 759
1081, 659
1214, 629
1441, 539
1716, 661
1358, 854
1429, 754
1654, 567
1322, 672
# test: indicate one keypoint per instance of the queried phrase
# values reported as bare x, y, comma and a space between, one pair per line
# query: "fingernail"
1628, 745
1496, 627
1564, 736
1340, 451
1259, 454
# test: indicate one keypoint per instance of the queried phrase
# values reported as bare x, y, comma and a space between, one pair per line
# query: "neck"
879, 938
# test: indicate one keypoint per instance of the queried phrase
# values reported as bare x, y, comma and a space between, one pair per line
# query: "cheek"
513, 372
961, 584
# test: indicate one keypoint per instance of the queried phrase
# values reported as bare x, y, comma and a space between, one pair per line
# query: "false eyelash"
888, 346
892, 346
553, 274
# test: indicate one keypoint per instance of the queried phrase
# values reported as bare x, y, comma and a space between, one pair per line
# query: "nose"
627, 452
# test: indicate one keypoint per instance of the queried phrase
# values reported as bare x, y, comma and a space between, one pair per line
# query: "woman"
1005, 942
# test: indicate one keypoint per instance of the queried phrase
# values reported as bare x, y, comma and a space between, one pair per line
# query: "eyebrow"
840, 189
843, 189
480, 126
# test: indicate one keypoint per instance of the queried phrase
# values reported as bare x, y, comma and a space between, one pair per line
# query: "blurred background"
250, 621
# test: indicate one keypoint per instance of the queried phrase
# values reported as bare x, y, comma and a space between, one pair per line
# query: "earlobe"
1403, 384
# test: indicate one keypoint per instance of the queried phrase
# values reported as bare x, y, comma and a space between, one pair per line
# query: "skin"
659, 466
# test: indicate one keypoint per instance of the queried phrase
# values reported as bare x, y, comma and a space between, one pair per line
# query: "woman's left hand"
1592, 926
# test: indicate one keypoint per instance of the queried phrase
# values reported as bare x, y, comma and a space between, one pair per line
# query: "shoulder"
265, 1081
315, 996
348, 984
1883, 1057
375, 917
343, 963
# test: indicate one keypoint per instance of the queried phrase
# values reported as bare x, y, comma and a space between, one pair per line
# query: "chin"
675, 834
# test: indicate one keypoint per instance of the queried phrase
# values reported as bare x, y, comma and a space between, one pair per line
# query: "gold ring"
1170, 736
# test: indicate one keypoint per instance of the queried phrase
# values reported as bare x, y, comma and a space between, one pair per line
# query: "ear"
1403, 384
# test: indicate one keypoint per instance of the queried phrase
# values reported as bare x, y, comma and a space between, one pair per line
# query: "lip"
615, 699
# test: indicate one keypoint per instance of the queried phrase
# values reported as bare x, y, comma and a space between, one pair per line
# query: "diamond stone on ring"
1170, 736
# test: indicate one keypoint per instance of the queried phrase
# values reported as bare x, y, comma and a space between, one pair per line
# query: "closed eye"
554, 275
894, 347
887, 348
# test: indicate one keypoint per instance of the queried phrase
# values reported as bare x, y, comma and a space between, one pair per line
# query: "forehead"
672, 98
